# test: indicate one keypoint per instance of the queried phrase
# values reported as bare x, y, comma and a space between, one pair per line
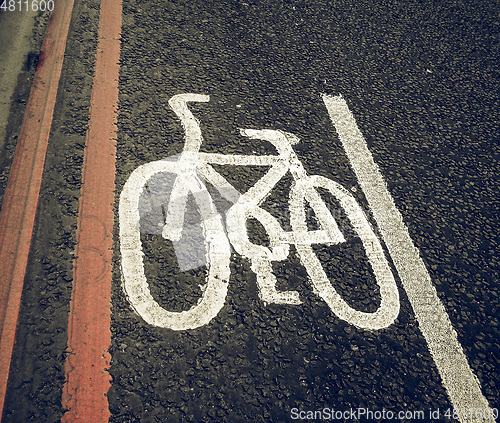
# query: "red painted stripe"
89, 335
23, 187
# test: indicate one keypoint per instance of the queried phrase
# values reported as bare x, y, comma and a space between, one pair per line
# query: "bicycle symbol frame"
192, 168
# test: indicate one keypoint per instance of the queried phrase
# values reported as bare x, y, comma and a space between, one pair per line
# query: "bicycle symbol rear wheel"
133, 273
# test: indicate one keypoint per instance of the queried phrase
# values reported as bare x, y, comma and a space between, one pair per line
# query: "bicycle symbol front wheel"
388, 309
133, 273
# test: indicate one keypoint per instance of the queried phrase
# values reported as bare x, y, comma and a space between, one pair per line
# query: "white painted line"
461, 384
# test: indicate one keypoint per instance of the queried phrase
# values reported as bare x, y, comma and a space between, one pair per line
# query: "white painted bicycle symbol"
192, 170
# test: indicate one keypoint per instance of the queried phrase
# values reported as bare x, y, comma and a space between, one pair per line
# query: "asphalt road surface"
421, 79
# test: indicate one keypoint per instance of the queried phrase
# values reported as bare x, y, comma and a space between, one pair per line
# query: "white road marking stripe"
461, 384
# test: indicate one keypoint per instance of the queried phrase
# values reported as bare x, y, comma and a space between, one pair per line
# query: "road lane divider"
460, 382
20, 201
89, 337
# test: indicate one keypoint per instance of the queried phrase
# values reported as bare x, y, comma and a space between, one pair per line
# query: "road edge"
20, 201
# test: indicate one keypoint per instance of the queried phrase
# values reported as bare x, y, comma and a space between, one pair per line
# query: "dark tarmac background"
422, 80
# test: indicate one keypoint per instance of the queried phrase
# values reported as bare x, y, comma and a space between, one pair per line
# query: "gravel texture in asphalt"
422, 80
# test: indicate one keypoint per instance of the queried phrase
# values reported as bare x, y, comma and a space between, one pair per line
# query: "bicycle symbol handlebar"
192, 169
